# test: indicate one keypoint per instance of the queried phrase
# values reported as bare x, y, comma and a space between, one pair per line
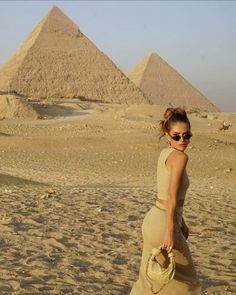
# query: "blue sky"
198, 38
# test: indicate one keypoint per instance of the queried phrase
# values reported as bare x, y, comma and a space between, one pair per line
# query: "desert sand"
76, 185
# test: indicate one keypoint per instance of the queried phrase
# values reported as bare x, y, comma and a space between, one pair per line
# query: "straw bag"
157, 275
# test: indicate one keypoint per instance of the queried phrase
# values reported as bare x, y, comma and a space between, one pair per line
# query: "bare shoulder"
177, 158
178, 154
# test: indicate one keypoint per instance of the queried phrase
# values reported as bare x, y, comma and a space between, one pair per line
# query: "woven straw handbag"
157, 275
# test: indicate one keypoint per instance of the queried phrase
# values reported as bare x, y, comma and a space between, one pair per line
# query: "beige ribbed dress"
185, 281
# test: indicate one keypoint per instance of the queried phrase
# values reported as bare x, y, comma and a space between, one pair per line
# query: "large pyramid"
58, 61
164, 86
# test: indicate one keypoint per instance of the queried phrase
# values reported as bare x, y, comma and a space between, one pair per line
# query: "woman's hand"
185, 229
168, 243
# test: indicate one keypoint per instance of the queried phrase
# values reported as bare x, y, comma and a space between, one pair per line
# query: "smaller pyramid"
163, 85
13, 107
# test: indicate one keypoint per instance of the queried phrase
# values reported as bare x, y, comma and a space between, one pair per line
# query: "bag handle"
157, 251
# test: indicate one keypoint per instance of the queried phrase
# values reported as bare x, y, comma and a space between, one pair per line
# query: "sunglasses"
185, 136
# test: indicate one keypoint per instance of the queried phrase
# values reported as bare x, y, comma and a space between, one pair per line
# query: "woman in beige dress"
164, 224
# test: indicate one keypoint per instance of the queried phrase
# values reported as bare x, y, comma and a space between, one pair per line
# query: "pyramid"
164, 86
58, 61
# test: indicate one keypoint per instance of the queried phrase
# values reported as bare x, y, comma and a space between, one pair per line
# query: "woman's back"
163, 175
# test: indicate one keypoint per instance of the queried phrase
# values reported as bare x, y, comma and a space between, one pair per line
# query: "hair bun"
171, 111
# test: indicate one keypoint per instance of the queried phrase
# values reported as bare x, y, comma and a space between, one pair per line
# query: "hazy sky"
197, 38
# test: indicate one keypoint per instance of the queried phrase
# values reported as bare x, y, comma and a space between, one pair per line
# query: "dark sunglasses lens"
187, 136
176, 137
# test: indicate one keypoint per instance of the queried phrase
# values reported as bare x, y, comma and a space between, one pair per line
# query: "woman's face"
179, 128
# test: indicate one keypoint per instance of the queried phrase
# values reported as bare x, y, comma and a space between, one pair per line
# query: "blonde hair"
171, 116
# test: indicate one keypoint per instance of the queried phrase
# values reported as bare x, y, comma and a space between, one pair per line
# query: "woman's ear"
167, 137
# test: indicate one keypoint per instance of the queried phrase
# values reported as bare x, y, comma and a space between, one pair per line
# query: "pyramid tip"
54, 9
57, 21
151, 53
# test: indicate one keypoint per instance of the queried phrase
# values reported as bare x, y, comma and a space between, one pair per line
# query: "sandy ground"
75, 188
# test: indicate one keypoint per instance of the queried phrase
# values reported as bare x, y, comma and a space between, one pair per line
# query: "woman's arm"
176, 163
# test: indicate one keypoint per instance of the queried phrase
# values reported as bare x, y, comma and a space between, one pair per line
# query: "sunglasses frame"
178, 137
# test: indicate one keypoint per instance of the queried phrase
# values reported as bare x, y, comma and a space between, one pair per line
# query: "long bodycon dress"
185, 281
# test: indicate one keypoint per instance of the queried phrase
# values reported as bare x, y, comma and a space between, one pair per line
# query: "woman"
164, 223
